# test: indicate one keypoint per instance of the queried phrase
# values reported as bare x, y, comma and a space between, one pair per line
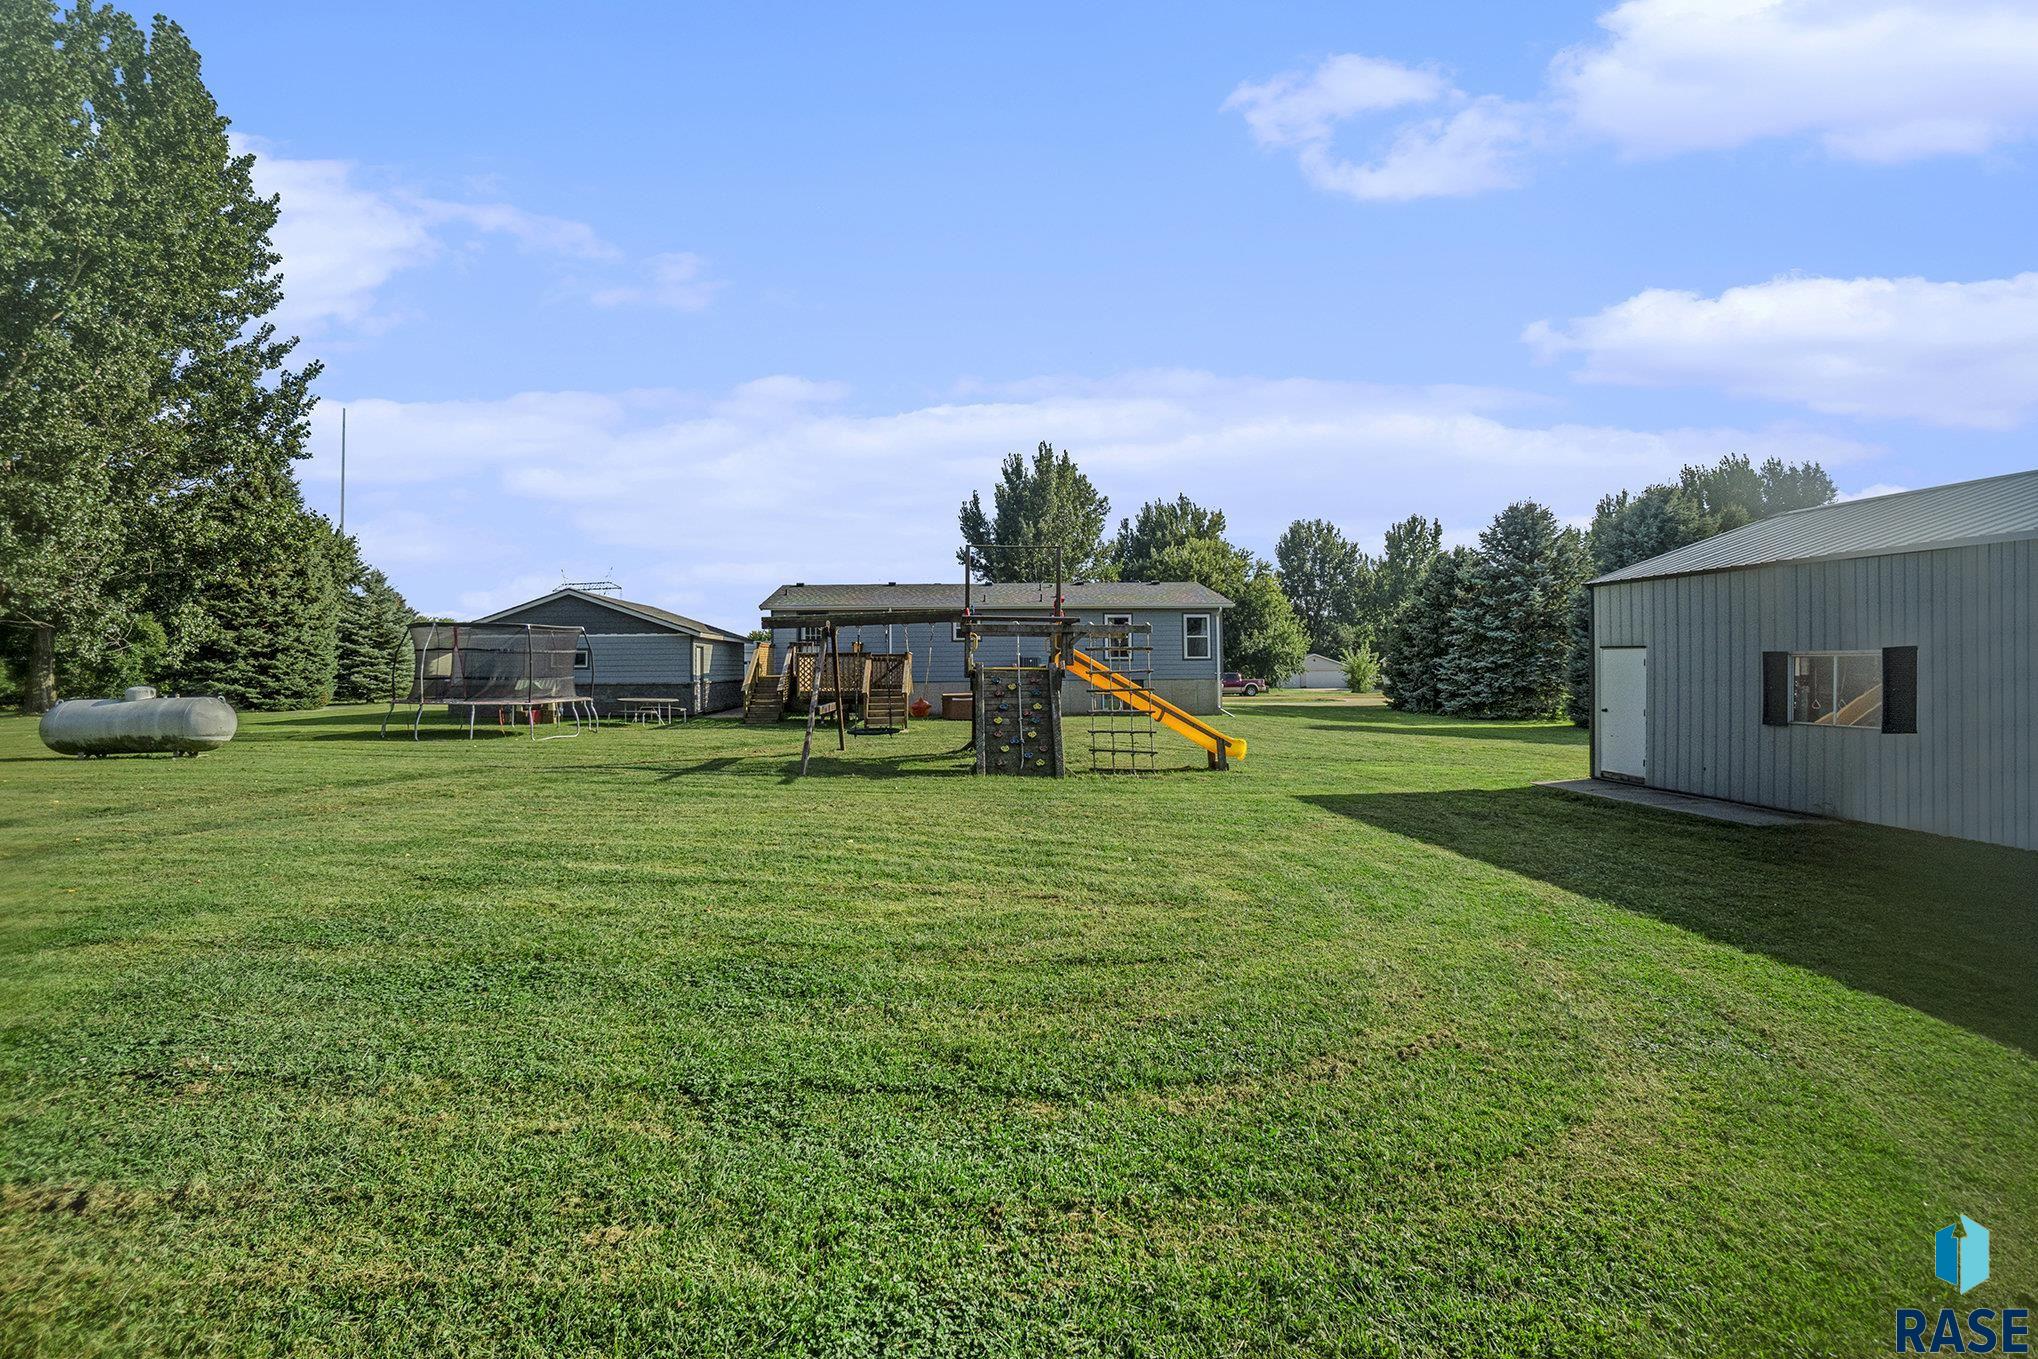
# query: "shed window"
580, 658
810, 632
1836, 688
1195, 636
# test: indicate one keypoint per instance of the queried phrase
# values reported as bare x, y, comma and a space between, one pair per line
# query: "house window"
580, 658
1836, 688
956, 628
1195, 636
1118, 645
810, 632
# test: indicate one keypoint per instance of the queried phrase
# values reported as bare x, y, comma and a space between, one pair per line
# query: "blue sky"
708, 300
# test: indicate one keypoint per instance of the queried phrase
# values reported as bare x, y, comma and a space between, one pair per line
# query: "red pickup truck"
1246, 685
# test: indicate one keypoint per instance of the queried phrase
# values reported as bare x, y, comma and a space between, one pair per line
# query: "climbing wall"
1017, 717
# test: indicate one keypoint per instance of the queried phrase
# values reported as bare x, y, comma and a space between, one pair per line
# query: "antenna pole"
343, 470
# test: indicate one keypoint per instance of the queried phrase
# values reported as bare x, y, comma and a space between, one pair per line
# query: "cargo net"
1121, 736
510, 663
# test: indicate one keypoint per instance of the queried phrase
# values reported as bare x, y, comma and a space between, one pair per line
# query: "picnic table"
651, 711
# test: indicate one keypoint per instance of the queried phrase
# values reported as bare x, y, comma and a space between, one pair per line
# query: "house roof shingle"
1993, 509
1023, 597
679, 622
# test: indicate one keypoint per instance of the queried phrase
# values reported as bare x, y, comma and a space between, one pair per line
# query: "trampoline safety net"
493, 662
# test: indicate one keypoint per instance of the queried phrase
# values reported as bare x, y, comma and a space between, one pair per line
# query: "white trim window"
1836, 688
1118, 645
1195, 636
580, 657
810, 632
955, 633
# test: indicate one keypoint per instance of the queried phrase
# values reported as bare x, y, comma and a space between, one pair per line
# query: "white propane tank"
138, 723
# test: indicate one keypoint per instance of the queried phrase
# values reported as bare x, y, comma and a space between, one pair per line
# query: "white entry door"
1621, 694
703, 662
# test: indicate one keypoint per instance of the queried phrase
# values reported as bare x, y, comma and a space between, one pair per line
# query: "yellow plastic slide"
1108, 681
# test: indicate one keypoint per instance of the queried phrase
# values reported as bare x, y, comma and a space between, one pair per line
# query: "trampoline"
518, 669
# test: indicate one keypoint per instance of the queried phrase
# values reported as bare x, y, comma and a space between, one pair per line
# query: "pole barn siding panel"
1972, 767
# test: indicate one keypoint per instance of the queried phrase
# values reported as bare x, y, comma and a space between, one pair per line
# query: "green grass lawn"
628, 1044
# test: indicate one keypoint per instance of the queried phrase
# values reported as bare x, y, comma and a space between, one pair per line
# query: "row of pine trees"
1504, 630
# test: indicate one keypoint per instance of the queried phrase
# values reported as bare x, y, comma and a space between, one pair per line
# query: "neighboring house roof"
650, 613
1992, 510
1319, 658
1096, 594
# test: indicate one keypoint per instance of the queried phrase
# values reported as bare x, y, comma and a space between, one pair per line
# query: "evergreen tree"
1417, 636
270, 635
1507, 642
374, 640
1262, 636
1159, 526
1037, 508
1330, 583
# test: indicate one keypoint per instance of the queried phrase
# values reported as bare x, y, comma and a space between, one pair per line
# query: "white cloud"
1297, 108
1870, 492
533, 231
1470, 147
343, 237
1876, 80
703, 501
1957, 354
340, 242
1868, 80
678, 280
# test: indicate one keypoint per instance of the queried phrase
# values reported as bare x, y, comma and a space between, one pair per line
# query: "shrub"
1362, 669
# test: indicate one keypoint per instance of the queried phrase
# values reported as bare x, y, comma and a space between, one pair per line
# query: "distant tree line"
151, 529
1500, 630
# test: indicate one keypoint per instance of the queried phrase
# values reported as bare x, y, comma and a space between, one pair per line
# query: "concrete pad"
1737, 813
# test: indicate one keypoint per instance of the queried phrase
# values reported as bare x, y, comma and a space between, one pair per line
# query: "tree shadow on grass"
1947, 927
668, 772
1391, 722
924, 764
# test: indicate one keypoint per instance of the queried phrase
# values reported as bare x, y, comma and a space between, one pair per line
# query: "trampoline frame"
579, 708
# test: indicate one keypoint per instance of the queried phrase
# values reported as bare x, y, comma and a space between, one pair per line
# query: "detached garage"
1875, 660
1318, 672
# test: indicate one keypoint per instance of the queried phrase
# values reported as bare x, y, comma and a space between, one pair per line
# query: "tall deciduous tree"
1159, 526
136, 377
1330, 582
1037, 508
1262, 635
1412, 546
